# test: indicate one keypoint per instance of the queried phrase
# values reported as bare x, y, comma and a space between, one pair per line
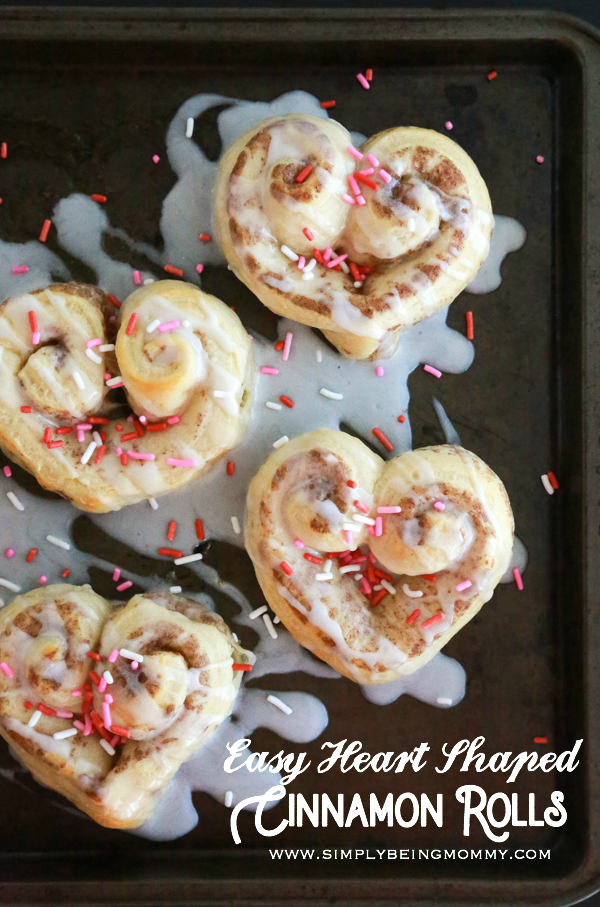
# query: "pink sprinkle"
354, 152
168, 326
389, 509
134, 665
7, 472
108, 698
385, 176
102, 686
348, 198
95, 342
21, 269
337, 261
439, 506
301, 262
298, 543
113, 655
448, 125
199, 268
372, 160
366, 172
43, 580
79, 725
371, 530
62, 713
354, 184
173, 420
378, 526
8, 671
464, 585
35, 338
119, 451
84, 426
124, 585
287, 346
107, 376
362, 80
87, 725
379, 371
155, 158
172, 461
361, 200
540, 159
365, 586
516, 574
10, 552
327, 254
114, 740
137, 277
140, 456
348, 536
143, 420
267, 370
106, 714
80, 435
432, 371
75, 692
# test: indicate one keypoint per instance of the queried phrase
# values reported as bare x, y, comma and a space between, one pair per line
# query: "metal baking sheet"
86, 93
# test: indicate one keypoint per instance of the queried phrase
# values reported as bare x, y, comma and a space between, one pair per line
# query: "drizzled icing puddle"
367, 401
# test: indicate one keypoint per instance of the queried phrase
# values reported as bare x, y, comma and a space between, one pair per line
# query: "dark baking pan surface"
79, 88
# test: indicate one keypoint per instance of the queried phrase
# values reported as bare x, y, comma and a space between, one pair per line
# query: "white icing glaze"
508, 236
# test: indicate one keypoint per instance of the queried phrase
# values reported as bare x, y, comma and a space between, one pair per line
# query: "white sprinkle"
377, 588
189, 127
106, 348
175, 589
358, 284
91, 355
97, 438
319, 355
358, 576
148, 280
106, 746
153, 325
279, 704
88, 452
225, 394
344, 267
308, 275
185, 323
411, 225
132, 656
331, 395
361, 518
153, 503
228, 800
108, 677
310, 266
14, 500
276, 620
350, 527
113, 381
412, 593
78, 380
351, 568
237, 639
547, 485
388, 587
269, 626
62, 735
323, 577
8, 585
58, 542
289, 254
188, 559
34, 718
443, 700
312, 551
280, 442
236, 525
327, 566
257, 612
454, 251
271, 405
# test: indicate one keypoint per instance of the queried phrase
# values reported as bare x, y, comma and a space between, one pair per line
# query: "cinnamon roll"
183, 358
374, 566
361, 249
104, 704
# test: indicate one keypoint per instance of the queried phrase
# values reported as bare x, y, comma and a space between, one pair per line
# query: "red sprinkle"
114, 300
327, 104
98, 198
401, 418
239, 667
129, 436
286, 568
286, 400
31, 555
139, 428
100, 454
157, 426
205, 237
309, 233
553, 480
433, 620
95, 656
540, 740
94, 678
170, 552
99, 420
65, 573
429, 577
354, 270
199, 530
124, 460
492, 75
3, 150
173, 270
313, 559
365, 179
33, 321
378, 597
131, 325
360, 506
47, 435
46, 710
28, 704
381, 437
26, 409
65, 430
171, 530
45, 230
121, 731
413, 617
469, 320
230, 468
279, 345
369, 75
319, 256
304, 174
52, 445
